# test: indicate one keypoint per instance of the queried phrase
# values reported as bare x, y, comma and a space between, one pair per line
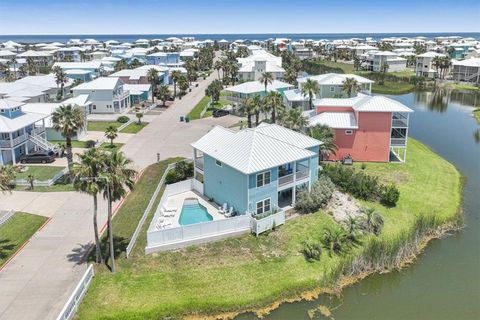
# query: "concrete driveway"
38, 281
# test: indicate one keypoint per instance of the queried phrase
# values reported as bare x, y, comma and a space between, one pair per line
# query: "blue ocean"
228, 37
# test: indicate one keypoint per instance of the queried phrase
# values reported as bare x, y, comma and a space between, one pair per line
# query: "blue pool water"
193, 212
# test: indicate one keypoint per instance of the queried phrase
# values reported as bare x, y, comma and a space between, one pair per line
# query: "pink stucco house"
368, 128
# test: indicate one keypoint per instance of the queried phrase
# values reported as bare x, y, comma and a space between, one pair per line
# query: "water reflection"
439, 99
476, 136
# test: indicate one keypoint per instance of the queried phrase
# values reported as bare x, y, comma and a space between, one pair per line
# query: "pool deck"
177, 202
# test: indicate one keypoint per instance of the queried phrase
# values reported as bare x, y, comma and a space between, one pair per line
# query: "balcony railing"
399, 123
14, 142
400, 142
38, 130
285, 179
121, 96
199, 163
302, 174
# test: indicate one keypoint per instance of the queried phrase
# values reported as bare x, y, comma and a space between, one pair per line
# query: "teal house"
237, 94
255, 170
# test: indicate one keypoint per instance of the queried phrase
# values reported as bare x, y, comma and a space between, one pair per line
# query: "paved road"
166, 135
38, 281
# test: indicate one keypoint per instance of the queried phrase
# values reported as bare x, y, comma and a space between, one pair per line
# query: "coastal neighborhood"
216, 176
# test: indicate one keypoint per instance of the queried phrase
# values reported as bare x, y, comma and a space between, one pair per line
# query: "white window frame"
218, 163
332, 88
263, 174
348, 132
263, 207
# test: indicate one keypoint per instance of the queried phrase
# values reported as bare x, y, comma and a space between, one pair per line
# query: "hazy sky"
236, 16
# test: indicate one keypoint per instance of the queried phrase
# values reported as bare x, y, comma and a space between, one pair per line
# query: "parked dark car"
220, 113
38, 157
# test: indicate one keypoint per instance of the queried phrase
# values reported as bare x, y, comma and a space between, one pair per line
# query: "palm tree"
437, 63
14, 62
266, 78
31, 66
68, 120
120, 65
60, 78
91, 165
295, 120
353, 228
233, 71
218, 66
310, 88
183, 84
275, 101
152, 76
247, 107
335, 240
350, 86
325, 134
119, 178
111, 133
258, 103
7, 175
372, 221
175, 76
446, 63
163, 93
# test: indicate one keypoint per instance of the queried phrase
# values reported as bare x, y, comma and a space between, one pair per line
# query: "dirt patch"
342, 205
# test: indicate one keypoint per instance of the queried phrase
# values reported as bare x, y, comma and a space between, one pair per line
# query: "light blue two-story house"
20, 132
164, 58
255, 170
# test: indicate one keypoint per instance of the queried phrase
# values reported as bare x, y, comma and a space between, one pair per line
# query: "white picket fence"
165, 239
43, 183
133, 240
75, 299
7, 216
267, 223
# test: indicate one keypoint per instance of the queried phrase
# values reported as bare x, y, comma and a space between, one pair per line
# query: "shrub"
372, 221
90, 144
311, 250
359, 184
389, 195
317, 198
182, 171
123, 119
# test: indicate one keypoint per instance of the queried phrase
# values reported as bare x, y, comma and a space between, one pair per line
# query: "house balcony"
399, 123
302, 174
284, 180
14, 142
199, 163
38, 130
398, 142
121, 96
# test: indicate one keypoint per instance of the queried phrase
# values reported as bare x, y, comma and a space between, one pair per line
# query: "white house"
424, 66
467, 70
259, 62
330, 87
374, 61
106, 94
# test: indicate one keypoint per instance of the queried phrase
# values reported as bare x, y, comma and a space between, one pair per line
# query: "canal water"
444, 282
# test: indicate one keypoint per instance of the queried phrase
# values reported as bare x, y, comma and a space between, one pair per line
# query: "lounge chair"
229, 213
223, 209
167, 208
168, 213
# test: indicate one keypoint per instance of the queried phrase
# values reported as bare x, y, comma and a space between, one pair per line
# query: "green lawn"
16, 231
404, 73
246, 272
75, 143
40, 172
197, 110
102, 125
109, 147
134, 127
476, 115
393, 88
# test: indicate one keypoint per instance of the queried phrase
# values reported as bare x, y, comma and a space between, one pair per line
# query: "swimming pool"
193, 212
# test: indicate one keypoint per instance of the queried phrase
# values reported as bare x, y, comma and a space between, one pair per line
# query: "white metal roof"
137, 89
256, 86
431, 54
473, 62
334, 78
94, 64
364, 103
31, 53
48, 81
102, 83
21, 121
252, 150
335, 120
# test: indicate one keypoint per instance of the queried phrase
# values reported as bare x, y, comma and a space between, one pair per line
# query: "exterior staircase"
42, 143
